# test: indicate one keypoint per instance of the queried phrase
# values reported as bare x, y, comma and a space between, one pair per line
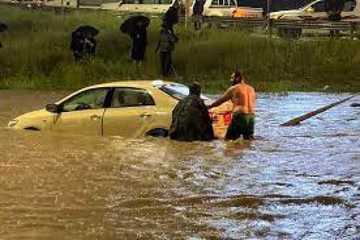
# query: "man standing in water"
243, 97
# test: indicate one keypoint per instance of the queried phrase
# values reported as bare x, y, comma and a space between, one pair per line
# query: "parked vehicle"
128, 109
316, 11
228, 8
145, 6
212, 8
313, 11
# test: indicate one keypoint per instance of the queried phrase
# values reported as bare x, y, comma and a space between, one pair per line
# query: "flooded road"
292, 183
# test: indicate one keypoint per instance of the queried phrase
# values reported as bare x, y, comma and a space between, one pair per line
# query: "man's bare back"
243, 97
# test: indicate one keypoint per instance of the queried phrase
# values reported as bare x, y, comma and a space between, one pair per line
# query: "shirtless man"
243, 98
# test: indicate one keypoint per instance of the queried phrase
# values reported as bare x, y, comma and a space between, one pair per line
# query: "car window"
177, 91
90, 99
131, 97
222, 3
319, 6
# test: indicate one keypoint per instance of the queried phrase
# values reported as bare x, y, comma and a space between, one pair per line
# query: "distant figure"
82, 45
243, 98
171, 17
89, 45
334, 9
139, 42
77, 45
198, 10
165, 47
190, 118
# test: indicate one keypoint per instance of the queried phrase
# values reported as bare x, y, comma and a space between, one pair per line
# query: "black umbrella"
3, 27
87, 29
130, 24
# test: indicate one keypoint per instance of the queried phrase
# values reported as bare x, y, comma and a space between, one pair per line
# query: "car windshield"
177, 91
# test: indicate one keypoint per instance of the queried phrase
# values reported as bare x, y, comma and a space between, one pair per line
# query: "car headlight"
13, 123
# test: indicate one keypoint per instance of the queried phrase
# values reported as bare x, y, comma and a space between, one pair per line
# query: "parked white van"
228, 8
212, 8
316, 10
145, 6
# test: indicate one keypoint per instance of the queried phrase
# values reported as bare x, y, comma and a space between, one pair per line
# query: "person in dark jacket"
198, 13
90, 45
334, 9
171, 17
139, 42
190, 118
165, 47
83, 45
77, 45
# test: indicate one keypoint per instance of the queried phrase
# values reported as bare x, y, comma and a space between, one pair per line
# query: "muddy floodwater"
292, 183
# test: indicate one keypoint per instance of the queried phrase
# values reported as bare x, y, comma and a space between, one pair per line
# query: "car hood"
286, 12
33, 114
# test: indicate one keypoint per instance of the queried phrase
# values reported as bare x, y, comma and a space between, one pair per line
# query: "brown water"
293, 183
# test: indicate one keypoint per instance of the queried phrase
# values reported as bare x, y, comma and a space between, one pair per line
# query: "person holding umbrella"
171, 17
135, 27
83, 42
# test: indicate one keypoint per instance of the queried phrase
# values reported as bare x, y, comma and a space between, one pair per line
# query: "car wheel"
157, 132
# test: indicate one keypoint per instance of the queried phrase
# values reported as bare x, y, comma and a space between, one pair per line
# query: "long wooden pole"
297, 120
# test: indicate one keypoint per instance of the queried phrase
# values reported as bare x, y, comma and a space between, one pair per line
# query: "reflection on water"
293, 183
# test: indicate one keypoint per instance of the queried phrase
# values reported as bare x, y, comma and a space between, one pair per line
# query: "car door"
131, 113
82, 113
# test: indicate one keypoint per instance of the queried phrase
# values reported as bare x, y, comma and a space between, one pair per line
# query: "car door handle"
95, 117
145, 115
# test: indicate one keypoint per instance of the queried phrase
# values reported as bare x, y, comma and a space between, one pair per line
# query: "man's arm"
226, 97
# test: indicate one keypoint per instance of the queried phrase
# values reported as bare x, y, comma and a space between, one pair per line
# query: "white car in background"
316, 10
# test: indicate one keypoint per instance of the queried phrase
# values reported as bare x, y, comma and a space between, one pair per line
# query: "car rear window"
177, 91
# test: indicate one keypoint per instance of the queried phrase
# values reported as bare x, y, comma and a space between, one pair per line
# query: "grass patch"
36, 55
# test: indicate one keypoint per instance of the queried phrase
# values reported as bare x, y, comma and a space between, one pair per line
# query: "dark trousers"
241, 124
198, 20
165, 60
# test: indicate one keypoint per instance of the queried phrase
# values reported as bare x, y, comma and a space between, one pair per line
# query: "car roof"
132, 83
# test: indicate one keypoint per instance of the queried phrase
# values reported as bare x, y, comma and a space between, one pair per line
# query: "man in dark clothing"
334, 9
165, 46
139, 42
171, 17
77, 45
89, 45
198, 13
190, 118
82, 45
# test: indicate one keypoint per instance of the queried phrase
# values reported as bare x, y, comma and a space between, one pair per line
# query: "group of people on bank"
83, 42
191, 120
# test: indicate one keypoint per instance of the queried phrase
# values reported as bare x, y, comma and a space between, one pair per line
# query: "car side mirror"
53, 108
